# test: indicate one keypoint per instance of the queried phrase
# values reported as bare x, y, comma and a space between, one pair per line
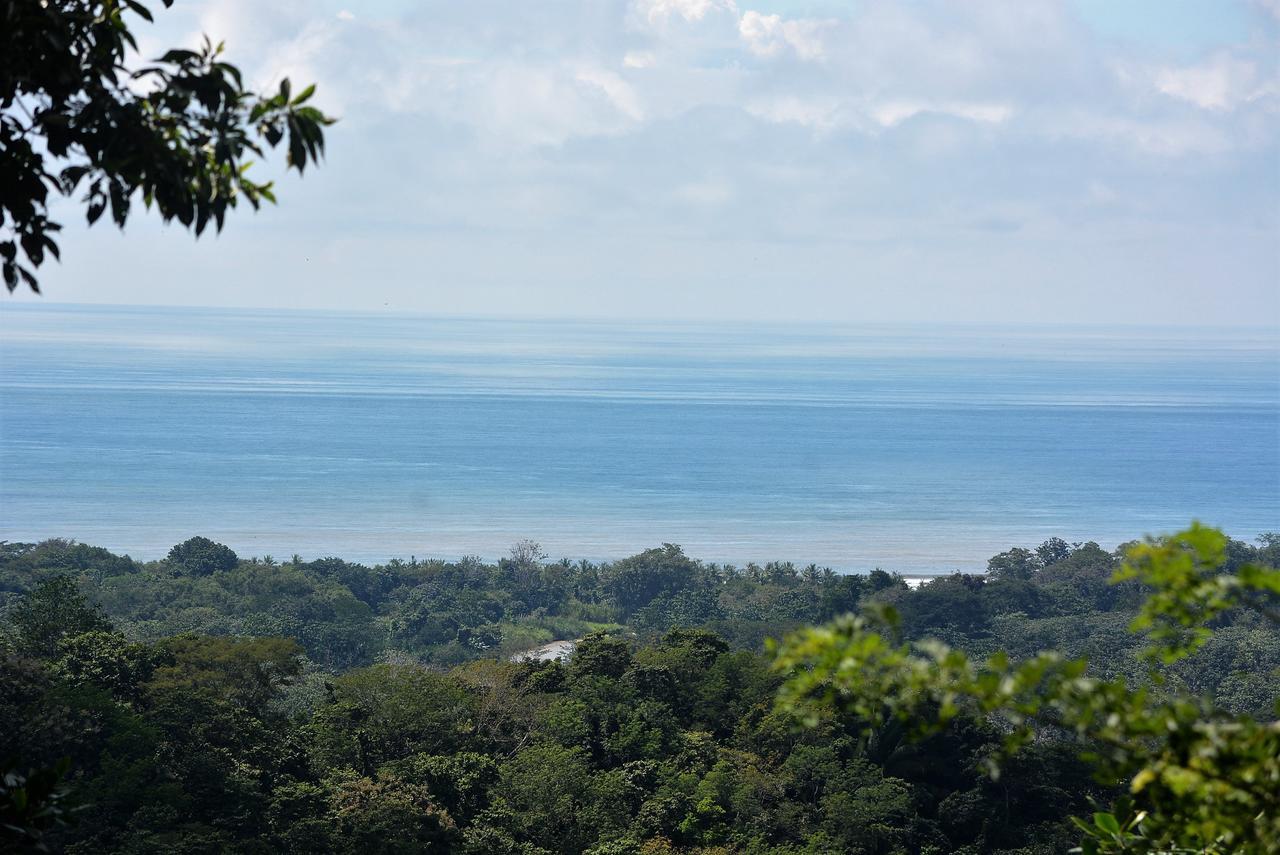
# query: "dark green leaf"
1106, 822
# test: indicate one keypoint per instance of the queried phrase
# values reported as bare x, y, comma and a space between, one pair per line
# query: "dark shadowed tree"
600, 655
77, 117
51, 612
200, 556
636, 581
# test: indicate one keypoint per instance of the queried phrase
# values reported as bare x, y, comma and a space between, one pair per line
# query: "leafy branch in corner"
181, 133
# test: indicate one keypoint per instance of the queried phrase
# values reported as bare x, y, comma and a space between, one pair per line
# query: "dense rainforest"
209, 703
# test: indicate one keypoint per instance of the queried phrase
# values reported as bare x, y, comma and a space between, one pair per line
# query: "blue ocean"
372, 436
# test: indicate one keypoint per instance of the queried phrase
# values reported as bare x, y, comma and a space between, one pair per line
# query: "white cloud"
1163, 137
896, 112
524, 105
769, 35
1221, 83
820, 114
639, 59
531, 80
509, 136
831, 113
617, 90
657, 11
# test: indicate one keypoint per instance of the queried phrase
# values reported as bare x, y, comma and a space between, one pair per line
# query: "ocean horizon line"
37, 302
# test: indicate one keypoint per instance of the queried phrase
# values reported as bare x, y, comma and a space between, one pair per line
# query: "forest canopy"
208, 702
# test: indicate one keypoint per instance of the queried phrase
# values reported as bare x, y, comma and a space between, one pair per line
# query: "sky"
1035, 161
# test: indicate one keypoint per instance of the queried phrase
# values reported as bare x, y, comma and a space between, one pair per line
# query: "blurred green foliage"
1197, 777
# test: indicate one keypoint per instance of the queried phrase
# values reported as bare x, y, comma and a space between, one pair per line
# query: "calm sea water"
373, 436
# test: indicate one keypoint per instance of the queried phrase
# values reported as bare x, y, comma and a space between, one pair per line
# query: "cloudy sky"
850, 160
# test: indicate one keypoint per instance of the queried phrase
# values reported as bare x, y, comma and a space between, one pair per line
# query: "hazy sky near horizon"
867, 160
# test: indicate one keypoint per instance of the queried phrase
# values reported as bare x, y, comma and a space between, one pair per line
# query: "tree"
600, 655
1196, 775
545, 787
53, 611
1269, 551
104, 659
636, 581
1017, 563
179, 132
840, 594
67, 556
386, 814
524, 569
390, 712
200, 556
1052, 551
245, 672
527, 554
